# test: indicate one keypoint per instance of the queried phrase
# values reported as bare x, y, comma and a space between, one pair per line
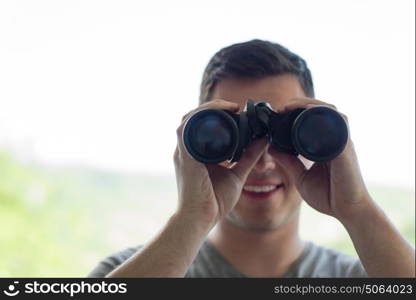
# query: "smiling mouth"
261, 191
261, 188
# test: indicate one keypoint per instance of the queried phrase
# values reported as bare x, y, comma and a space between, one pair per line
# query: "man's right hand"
208, 192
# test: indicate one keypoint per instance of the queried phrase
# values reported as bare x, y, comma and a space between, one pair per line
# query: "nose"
265, 162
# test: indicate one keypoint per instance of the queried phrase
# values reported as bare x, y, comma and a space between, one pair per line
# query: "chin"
255, 223
267, 216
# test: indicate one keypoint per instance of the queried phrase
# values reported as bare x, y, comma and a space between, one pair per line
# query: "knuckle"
185, 117
179, 131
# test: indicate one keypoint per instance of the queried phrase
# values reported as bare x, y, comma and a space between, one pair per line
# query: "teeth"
259, 189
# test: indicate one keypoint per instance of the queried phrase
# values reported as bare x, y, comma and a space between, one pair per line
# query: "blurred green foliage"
59, 222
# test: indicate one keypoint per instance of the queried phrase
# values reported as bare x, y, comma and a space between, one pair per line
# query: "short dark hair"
254, 59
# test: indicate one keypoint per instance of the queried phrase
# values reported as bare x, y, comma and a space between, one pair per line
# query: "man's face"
269, 198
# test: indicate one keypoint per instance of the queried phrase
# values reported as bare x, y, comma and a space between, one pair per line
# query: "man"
242, 220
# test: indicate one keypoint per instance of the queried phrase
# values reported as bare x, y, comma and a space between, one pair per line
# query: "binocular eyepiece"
212, 136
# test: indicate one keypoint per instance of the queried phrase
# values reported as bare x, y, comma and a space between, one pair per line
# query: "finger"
304, 103
329, 106
187, 115
227, 164
250, 157
307, 104
181, 154
292, 164
219, 104
213, 104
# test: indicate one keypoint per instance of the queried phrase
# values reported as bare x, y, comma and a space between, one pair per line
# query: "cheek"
293, 198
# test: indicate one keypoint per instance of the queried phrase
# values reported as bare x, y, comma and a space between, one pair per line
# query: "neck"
259, 253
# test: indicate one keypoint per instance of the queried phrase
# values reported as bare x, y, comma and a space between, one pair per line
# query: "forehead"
277, 90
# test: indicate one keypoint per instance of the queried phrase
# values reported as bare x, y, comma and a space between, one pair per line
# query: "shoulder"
319, 261
108, 264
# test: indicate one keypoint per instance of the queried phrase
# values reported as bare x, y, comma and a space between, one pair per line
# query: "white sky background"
105, 83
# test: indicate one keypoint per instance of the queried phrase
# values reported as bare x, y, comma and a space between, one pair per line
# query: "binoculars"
212, 136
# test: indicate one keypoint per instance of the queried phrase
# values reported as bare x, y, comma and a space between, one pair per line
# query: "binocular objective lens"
321, 135
211, 137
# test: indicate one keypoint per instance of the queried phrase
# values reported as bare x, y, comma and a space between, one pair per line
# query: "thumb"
249, 158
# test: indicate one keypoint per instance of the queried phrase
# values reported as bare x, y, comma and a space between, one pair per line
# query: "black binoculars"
212, 136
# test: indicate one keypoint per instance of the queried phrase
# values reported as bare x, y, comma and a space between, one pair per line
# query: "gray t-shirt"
315, 261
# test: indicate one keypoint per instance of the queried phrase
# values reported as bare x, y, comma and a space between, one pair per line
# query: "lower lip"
262, 196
